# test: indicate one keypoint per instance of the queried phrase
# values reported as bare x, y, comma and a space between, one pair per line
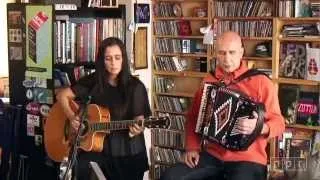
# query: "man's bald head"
229, 51
229, 36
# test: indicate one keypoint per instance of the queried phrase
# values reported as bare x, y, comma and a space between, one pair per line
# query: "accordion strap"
247, 74
259, 125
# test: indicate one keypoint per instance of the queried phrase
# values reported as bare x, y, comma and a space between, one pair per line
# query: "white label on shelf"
65, 7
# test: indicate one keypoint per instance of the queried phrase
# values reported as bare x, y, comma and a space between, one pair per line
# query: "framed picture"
140, 48
15, 17
109, 4
141, 13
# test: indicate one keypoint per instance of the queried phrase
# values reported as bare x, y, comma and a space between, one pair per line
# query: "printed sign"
39, 44
30, 130
29, 94
38, 139
35, 82
28, 83
15, 35
33, 107
42, 95
33, 120
44, 110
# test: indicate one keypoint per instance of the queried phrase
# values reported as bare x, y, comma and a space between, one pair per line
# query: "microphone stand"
76, 141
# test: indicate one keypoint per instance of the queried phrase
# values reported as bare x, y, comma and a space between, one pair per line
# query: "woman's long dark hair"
124, 77
102, 74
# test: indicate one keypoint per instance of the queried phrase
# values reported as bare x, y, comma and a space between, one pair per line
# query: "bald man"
214, 161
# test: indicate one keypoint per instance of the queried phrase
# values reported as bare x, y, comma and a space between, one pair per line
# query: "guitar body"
58, 139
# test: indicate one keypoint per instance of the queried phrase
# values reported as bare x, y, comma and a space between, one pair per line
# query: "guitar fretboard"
114, 125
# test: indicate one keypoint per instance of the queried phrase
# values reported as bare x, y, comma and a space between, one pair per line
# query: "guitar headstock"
158, 122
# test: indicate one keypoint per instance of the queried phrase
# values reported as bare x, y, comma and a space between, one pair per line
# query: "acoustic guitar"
58, 136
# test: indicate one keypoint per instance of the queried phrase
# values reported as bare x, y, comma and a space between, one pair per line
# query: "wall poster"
39, 41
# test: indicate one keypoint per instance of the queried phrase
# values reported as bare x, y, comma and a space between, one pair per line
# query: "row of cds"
172, 104
167, 138
242, 8
167, 156
246, 28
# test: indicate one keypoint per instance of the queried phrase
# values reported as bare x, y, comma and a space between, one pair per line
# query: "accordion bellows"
220, 109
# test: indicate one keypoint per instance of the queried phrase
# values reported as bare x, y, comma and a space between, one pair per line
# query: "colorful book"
288, 100
297, 148
184, 28
302, 8
293, 60
308, 111
313, 64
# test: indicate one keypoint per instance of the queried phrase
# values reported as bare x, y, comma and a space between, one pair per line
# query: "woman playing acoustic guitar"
124, 154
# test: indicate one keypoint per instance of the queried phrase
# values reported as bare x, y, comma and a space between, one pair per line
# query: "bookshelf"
262, 24
77, 35
283, 43
70, 41
179, 60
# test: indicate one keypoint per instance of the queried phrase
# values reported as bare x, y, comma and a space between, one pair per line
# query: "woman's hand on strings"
74, 123
136, 129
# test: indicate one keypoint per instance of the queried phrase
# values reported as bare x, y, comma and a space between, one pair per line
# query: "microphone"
76, 141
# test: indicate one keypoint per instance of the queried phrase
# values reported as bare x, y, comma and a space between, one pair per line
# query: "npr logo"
289, 163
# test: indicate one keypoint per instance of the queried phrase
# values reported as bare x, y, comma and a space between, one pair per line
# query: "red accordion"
218, 117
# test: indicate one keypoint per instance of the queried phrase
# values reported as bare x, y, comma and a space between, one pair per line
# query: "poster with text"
39, 41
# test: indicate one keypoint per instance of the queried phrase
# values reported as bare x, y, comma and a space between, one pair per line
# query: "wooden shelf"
181, 54
252, 58
178, 37
257, 38
95, 12
179, 94
242, 18
299, 19
90, 65
300, 39
181, 74
296, 81
249, 58
300, 126
181, 18
204, 1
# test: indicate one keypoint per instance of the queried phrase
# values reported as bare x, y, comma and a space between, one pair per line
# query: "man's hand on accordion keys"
246, 124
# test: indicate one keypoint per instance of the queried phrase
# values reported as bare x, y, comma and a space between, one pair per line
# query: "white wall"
4, 39
144, 74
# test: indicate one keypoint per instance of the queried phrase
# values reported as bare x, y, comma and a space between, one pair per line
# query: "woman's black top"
118, 143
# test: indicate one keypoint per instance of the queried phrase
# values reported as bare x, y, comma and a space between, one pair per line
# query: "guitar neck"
115, 125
